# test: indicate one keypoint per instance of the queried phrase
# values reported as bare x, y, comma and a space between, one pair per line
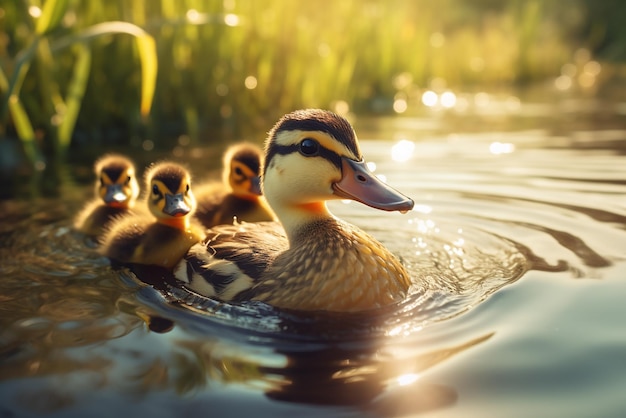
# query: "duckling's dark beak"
255, 185
175, 205
360, 184
114, 194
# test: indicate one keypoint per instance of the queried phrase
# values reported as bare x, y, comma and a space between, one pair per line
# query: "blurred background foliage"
71, 80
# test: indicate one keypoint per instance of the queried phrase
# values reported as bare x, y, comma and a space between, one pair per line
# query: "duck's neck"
295, 217
178, 222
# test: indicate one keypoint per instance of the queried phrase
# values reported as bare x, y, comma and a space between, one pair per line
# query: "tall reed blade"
75, 94
21, 121
51, 15
149, 64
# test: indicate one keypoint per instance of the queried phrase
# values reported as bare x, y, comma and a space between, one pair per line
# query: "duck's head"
312, 156
242, 170
170, 198
117, 183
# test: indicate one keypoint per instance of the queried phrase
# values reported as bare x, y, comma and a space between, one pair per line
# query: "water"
516, 245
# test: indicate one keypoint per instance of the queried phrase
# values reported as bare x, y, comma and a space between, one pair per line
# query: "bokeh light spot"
231, 19
221, 89
184, 140
147, 145
498, 148
193, 16
448, 99
430, 98
402, 151
563, 82
400, 106
250, 82
34, 11
341, 107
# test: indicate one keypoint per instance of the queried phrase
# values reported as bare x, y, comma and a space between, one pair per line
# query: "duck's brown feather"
332, 265
136, 239
95, 216
235, 253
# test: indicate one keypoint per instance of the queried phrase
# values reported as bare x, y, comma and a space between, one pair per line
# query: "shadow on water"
79, 337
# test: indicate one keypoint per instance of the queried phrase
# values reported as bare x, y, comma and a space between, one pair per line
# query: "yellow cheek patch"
105, 181
157, 200
239, 172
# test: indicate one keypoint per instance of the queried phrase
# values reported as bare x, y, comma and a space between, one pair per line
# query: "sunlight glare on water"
402, 150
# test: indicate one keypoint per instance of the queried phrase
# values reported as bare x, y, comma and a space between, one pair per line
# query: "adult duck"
318, 262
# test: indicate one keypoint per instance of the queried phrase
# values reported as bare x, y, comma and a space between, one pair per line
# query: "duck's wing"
94, 218
122, 237
231, 259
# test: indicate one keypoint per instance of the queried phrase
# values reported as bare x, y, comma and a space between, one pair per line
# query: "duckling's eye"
309, 147
187, 189
155, 189
128, 180
238, 171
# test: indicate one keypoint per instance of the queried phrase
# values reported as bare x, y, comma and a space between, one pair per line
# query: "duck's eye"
155, 189
238, 171
309, 147
187, 189
128, 180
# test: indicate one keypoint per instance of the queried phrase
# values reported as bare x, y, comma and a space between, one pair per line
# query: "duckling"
309, 260
162, 241
116, 190
238, 196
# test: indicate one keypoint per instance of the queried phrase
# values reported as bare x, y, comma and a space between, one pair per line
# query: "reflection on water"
493, 210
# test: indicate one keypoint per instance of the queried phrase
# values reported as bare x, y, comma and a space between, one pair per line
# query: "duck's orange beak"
360, 184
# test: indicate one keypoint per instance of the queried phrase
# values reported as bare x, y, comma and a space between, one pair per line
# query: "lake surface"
516, 246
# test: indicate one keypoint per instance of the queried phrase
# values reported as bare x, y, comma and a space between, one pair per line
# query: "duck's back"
218, 207
209, 197
95, 217
138, 240
231, 258
334, 266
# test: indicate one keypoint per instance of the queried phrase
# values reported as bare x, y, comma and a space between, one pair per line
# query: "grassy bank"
228, 68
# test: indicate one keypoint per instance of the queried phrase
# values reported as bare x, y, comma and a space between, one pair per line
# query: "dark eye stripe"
325, 153
319, 120
114, 173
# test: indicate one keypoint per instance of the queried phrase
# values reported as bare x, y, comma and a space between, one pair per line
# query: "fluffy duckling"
238, 196
116, 190
162, 241
322, 262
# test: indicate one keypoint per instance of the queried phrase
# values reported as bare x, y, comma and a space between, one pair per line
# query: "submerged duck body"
117, 190
163, 238
238, 196
317, 262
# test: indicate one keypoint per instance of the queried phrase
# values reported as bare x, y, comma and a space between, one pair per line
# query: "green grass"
73, 78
